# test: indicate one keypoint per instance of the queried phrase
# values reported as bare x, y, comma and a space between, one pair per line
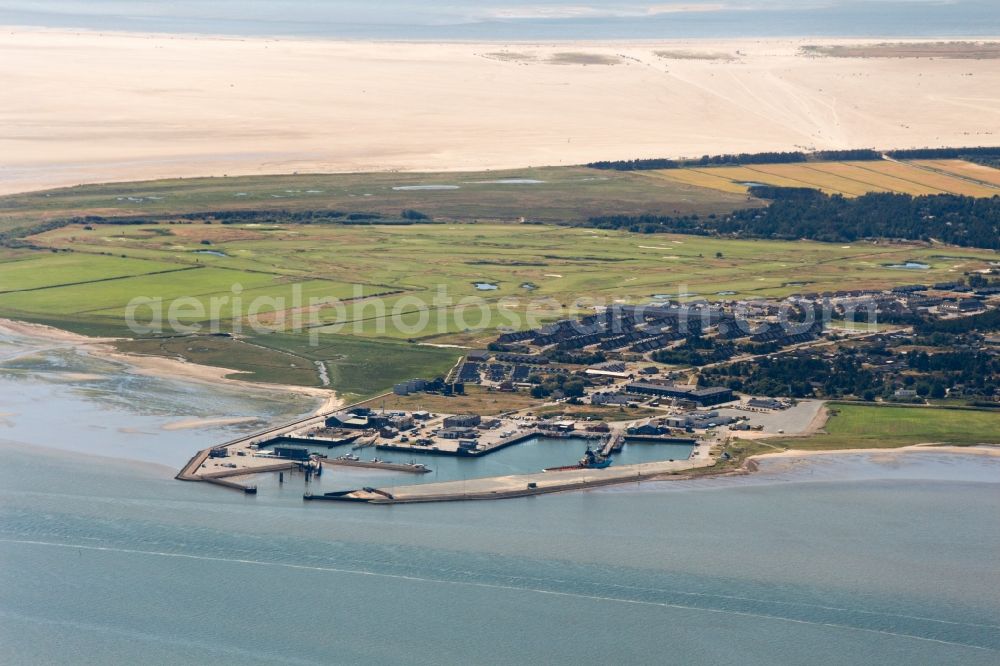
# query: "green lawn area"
871, 426
539, 272
361, 367
251, 362
81, 277
37, 270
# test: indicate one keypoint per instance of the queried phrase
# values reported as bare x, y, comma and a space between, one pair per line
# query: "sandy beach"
158, 366
153, 106
987, 450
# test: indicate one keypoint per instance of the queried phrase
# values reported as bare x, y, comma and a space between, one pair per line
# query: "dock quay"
196, 471
249, 490
486, 448
506, 487
371, 464
614, 443
230, 464
656, 439
483, 450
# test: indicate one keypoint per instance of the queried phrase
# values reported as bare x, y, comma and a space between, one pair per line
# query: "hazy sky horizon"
518, 19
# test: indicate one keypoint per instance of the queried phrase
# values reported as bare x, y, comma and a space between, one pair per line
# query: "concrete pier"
240, 454
521, 485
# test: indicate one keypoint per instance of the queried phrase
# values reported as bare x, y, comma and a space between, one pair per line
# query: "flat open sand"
80, 107
158, 366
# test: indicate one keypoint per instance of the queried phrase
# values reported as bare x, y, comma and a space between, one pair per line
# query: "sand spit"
157, 366
192, 424
334, 106
930, 447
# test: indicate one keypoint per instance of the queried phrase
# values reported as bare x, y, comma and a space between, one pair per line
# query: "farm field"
849, 179
963, 169
871, 426
437, 284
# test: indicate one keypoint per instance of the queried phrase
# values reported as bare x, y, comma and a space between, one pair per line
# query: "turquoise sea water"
835, 560
518, 19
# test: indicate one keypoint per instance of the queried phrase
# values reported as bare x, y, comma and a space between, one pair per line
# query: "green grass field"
425, 276
298, 295
870, 426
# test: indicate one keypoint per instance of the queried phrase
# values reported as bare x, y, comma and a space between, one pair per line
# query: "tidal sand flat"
321, 105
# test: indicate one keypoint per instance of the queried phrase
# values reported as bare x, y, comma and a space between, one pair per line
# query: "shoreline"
604, 41
519, 486
171, 368
990, 450
163, 367
751, 465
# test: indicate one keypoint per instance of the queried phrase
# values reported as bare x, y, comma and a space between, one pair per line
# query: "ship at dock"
591, 460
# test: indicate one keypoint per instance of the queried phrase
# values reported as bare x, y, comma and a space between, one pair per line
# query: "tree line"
737, 159
990, 154
947, 218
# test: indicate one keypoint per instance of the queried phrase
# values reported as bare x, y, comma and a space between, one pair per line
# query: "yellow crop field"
850, 179
927, 178
965, 169
874, 181
807, 175
699, 178
747, 174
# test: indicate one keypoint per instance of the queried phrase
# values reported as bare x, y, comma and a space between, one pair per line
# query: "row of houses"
637, 328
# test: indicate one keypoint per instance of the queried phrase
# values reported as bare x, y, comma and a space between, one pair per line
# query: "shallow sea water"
834, 560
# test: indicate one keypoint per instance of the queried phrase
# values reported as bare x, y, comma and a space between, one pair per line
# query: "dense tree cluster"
941, 362
696, 350
797, 376
987, 321
575, 357
948, 218
992, 161
546, 385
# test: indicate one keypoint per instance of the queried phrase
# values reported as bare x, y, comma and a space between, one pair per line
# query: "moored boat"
591, 460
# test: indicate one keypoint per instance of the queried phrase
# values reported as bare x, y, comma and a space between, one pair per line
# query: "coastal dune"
82, 107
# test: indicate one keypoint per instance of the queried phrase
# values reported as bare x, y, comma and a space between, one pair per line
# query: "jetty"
520, 485
239, 457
